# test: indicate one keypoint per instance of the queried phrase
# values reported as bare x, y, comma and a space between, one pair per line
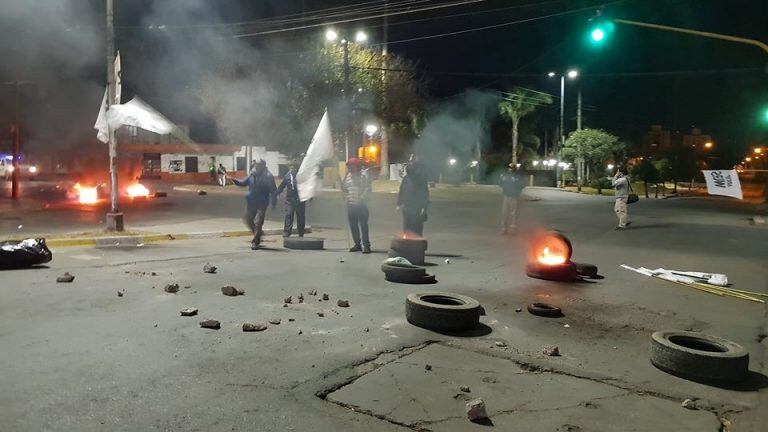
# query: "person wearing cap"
512, 184
292, 203
413, 198
261, 193
356, 188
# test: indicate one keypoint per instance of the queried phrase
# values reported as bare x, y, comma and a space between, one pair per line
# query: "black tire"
403, 269
410, 279
699, 357
586, 270
442, 311
545, 310
565, 272
304, 243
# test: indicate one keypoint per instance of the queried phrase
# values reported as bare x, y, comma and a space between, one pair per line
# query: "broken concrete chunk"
291, 320
325, 297
171, 288
301, 298
501, 344
202, 192
299, 332
208, 268
689, 404
240, 291
211, 324
428, 367
489, 380
121, 292
551, 350
320, 314
288, 300
153, 274
519, 310
190, 311
464, 388
366, 329
250, 327
275, 321
476, 410
462, 396
65, 278
312, 292
231, 291
342, 303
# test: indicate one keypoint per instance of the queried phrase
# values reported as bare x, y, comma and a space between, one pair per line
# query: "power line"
342, 21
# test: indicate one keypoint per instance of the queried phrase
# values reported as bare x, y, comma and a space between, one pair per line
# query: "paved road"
78, 357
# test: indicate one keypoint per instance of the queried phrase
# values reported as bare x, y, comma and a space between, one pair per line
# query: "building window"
240, 163
190, 164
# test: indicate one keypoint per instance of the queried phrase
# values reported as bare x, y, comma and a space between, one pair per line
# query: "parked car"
28, 171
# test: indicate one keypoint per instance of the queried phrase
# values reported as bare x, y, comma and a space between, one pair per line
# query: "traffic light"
600, 31
765, 115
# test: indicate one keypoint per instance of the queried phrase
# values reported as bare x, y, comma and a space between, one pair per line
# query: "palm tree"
518, 104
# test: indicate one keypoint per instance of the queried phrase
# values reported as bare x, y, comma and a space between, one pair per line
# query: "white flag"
118, 79
723, 182
320, 149
101, 125
137, 113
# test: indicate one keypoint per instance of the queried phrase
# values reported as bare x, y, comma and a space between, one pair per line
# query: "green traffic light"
598, 35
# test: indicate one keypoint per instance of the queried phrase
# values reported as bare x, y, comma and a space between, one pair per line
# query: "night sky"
640, 77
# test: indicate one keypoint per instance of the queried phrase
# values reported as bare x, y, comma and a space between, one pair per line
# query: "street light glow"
551, 74
747, 159
708, 144
552, 161
473, 164
360, 36
573, 73
331, 35
452, 161
371, 129
610, 166
535, 163
758, 150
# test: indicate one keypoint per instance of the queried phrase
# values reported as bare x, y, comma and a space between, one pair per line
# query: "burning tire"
565, 272
699, 357
442, 311
545, 310
304, 243
411, 249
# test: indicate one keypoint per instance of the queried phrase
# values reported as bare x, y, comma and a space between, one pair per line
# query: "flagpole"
114, 218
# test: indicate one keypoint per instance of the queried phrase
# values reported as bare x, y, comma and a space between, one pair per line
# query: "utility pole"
562, 131
578, 111
384, 166
114, 218
347, 99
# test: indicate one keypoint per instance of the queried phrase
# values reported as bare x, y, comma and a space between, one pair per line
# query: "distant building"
657, 139
697, 140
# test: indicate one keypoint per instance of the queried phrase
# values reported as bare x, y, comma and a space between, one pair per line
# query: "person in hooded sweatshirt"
261, 192
413, 198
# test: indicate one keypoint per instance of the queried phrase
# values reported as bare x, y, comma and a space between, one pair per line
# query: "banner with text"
723, 182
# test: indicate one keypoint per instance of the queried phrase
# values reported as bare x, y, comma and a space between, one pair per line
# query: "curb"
135, 240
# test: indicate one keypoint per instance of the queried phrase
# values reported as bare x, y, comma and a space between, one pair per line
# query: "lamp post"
571, 74
361, 37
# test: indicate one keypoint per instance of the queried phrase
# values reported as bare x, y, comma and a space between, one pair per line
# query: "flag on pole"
723, 182
320, 149
138, 113
102, 125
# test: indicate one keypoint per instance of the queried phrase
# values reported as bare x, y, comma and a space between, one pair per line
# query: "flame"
137, 190
86, 195
551, 258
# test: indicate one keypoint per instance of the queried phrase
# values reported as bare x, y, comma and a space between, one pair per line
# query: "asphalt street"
79, 357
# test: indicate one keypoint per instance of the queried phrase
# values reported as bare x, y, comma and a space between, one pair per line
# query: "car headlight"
10, 168
33, 169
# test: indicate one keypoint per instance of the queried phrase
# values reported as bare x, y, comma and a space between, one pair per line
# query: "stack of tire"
407, 273
411, 249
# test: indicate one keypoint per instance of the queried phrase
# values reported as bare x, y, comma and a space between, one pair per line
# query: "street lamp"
572, 74
371, 129
452, 161
332, 35
610, 167
535, 163
708, 145
758, 150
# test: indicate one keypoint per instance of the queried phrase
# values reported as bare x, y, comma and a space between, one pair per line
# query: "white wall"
229, 161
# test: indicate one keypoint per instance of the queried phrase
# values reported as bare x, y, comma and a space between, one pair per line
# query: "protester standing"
512, 184
413, 198
222, 173
212, 169
292, 203
261, 193
620, 184
356, 188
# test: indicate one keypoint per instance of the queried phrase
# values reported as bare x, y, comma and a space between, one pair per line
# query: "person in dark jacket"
292, 203
356, 188
413, 198
512, 184
261, 193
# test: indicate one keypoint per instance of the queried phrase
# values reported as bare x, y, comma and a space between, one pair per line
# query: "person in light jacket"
620, 184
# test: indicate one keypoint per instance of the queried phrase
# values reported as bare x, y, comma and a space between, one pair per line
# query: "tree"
647, 173
681, 164
518, 104
591, 148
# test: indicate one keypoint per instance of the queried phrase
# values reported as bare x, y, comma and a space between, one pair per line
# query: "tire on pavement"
405, 270
699, 357
442, 311
408, 244
586, 270
304, 243
410, 279
565, 272
545, 310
